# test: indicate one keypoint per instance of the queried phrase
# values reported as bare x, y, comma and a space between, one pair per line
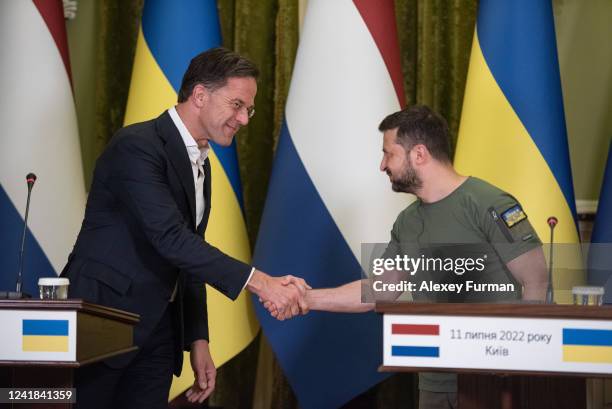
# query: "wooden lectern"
43, 342
507, 355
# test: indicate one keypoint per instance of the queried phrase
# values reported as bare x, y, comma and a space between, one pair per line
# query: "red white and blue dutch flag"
327, 196
40, 135
415, 340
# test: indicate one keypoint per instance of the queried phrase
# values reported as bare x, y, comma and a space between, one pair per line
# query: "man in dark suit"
141, 246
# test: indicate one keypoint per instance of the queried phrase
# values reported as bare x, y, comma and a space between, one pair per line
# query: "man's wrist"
199, 342
319, 299
248, 279
257, 282
311, 299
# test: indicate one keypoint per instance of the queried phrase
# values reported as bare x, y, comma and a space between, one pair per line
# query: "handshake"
284, 297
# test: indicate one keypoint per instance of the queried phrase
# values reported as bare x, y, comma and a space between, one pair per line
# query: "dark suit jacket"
139, 236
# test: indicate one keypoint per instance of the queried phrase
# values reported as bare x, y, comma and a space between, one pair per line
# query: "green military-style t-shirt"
476, 221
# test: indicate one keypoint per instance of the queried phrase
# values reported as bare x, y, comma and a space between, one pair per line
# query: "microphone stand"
18, 294
552, 222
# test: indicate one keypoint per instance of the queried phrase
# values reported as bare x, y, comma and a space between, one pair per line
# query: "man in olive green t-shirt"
454, 217
464, 224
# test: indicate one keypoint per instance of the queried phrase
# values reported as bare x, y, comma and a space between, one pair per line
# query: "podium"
45, 340
507, 355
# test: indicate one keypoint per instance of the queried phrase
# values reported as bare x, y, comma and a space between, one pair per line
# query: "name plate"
513, 344
33, 335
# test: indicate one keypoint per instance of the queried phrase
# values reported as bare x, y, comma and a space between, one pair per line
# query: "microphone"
552, 223
17, 294
30, 179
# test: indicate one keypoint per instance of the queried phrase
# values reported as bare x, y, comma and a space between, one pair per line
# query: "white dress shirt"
197, 156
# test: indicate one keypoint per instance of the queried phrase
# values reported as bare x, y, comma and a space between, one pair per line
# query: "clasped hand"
283, 297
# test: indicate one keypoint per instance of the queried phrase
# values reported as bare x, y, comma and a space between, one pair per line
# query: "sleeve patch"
513, 215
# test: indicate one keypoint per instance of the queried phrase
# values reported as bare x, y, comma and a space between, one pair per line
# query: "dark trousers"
143, 383
437, 400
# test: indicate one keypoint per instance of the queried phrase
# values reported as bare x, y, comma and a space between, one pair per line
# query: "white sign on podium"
513, 344
38, 335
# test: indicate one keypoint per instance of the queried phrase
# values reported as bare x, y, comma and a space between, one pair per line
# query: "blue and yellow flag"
587, 345
512, 130
172, 33
44, 335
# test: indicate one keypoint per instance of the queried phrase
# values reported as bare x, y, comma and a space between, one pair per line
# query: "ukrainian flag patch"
513, 215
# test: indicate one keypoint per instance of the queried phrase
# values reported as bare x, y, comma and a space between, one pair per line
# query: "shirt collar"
191, 145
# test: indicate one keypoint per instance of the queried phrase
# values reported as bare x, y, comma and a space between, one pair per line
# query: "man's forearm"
346, 298
529, 269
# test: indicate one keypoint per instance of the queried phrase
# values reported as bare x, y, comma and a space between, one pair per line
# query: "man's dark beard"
407, 182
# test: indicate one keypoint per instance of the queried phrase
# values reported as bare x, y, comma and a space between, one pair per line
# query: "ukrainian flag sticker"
587, 345
45, 335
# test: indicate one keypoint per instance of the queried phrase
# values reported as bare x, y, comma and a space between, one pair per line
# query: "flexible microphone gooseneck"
17, 294
552, 222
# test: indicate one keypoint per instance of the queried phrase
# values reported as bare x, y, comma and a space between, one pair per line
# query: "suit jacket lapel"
177, 154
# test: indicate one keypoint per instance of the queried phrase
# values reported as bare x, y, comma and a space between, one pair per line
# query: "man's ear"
421, 154
200, 95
